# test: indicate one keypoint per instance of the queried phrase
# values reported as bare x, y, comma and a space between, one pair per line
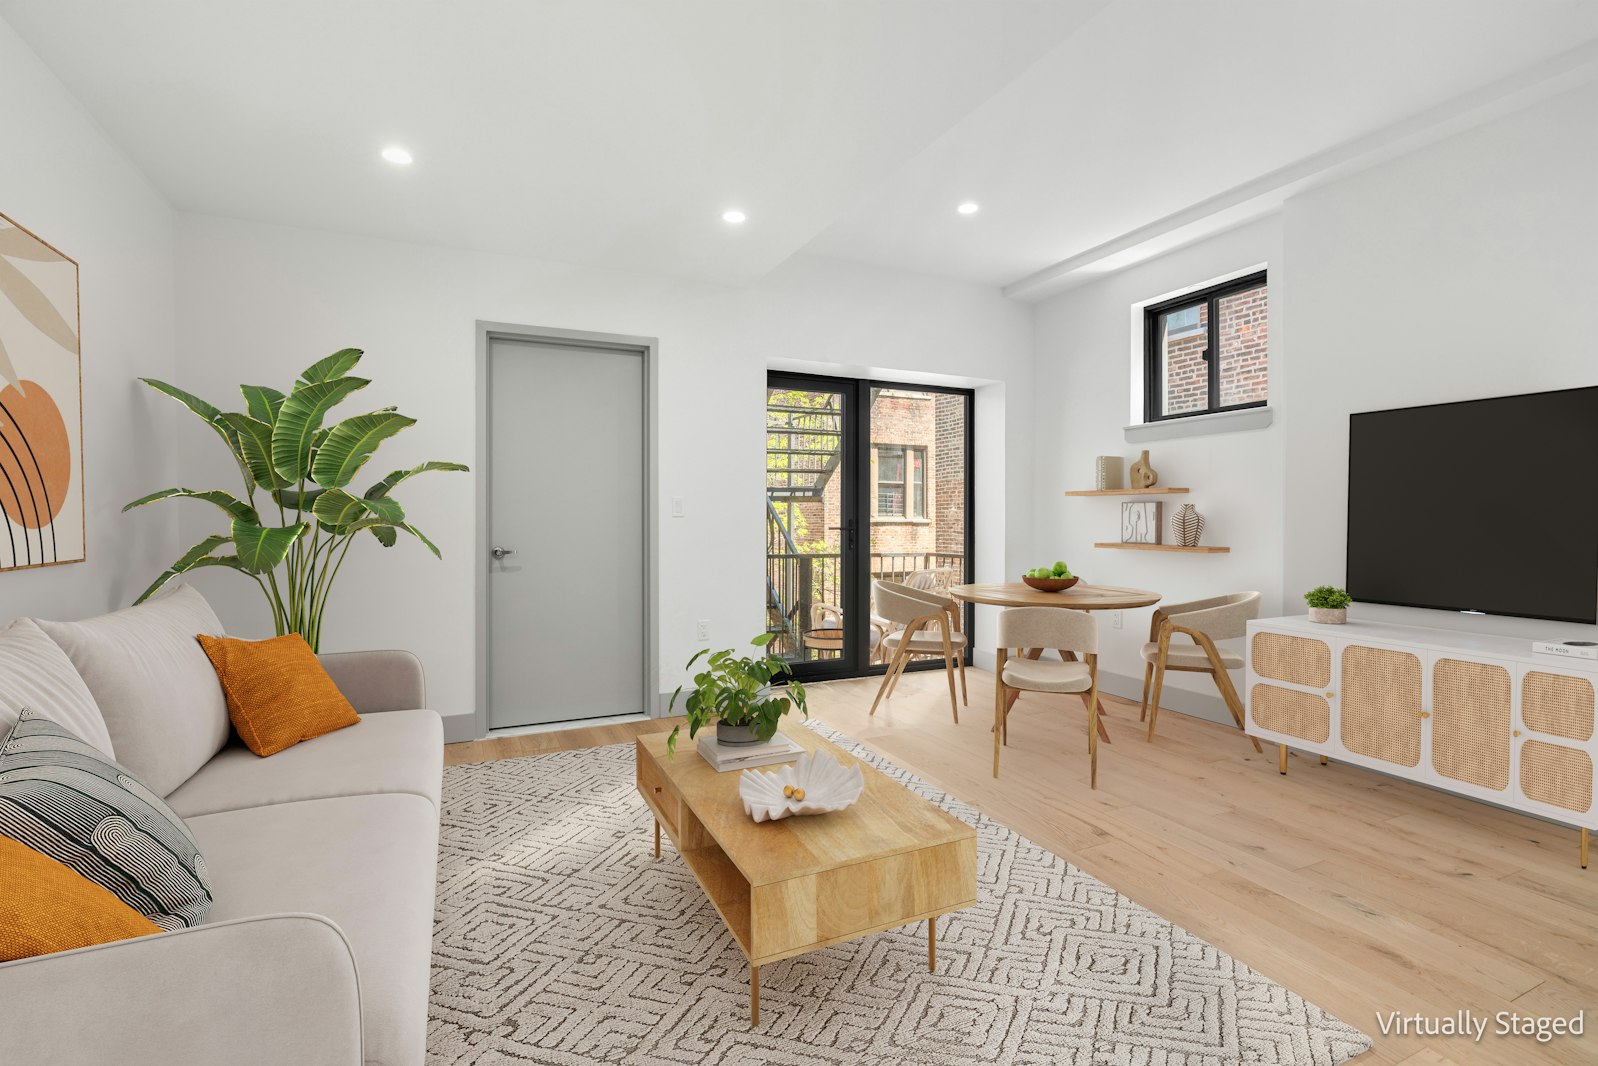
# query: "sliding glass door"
865, 480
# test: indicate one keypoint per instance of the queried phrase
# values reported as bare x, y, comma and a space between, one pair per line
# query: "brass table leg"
1281, 758
754, 995
657, 838
1324, 760
932, 943
1584, 848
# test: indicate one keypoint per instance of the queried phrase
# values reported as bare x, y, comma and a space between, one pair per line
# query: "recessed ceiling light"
397, 155
969, 208
733, 215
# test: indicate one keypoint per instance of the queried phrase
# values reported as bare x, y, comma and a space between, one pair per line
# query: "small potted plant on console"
735, 691
1328, 604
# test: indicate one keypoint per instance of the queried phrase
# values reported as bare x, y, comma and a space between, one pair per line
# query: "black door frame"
855, 566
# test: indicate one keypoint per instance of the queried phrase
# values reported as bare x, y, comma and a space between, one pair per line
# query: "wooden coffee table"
802, 883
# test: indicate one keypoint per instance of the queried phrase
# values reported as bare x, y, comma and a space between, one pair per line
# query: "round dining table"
1079, 597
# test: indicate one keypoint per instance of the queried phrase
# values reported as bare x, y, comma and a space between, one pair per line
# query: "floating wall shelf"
1126, 492
1203, 549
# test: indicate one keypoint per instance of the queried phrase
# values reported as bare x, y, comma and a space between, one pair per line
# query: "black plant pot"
735, 734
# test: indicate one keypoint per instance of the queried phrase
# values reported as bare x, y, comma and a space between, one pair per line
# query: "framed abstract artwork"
1140, 522
41, 404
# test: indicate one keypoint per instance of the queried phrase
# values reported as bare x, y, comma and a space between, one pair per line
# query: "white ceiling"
608, 132
1156, 105
614, 132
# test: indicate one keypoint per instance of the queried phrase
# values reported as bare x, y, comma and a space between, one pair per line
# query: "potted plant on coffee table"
737, 693
1328, 604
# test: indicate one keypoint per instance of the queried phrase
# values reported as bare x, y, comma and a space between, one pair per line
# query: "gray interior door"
567, 577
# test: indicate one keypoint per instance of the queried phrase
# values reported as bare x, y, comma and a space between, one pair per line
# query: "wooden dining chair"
927, 623
1202, 623
1023, 628
827, 619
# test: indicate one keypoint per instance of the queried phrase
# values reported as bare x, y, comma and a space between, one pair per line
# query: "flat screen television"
1486, 506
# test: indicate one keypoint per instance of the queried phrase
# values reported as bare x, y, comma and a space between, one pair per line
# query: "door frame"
857, 450
646, 348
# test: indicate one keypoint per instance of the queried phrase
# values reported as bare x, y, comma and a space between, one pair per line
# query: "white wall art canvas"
41, 409
1140, 522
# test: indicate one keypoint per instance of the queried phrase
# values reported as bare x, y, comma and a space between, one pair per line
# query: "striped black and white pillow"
63, 798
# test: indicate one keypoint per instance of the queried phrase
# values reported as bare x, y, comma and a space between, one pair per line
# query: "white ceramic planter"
828, 786
1332, 616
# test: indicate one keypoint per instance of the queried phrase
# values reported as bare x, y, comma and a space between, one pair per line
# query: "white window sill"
1200, 425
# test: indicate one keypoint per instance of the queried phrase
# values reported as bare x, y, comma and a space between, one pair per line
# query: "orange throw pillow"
47, 907
278, 694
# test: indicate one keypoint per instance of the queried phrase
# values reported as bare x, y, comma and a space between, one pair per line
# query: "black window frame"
1153, 350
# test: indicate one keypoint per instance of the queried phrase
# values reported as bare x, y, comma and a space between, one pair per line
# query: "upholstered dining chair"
924, 623
826, 630
1201, 623
1022, 628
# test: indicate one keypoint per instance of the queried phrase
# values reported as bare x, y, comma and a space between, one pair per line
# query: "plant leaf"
350, 443
296, 500
235, 507
299, 420
261, 548
336, 509
206, 411
383, 487
262, 402
413, 531
385, 535
255, 447
387, 508
334, 366
186, 562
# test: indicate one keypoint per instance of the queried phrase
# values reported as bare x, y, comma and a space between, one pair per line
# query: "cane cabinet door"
1472, 712
1289, 688
1553, 744
1380, 697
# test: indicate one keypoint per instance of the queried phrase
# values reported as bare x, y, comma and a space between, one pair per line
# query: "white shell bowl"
828, 785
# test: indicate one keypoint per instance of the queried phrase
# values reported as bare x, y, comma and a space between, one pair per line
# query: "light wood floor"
1362, 893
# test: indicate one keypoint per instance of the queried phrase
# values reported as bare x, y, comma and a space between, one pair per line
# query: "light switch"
677, 510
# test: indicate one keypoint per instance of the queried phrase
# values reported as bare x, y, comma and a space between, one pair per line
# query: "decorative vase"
1107, 472
1143, 475
735, 734
1187, 526
1332, 616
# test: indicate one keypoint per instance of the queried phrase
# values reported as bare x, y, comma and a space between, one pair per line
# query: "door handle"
500, 553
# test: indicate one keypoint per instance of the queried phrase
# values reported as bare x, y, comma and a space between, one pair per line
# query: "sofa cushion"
35, 672
163, 708
61, 797
278, 693
46, 906
365, 862
395, 751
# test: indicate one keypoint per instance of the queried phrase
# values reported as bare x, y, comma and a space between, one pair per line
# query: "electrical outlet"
677, 510
1115, 619
702, 631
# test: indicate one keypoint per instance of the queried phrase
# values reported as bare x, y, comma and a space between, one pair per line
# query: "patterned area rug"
560, 940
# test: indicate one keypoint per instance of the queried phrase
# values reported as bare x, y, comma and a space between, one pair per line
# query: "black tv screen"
1486, 505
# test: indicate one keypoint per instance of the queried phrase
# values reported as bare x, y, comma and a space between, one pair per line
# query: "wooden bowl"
1051, 584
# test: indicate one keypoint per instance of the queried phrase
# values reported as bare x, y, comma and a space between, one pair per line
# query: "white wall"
257, 303
1464, 270
64, 181
1084, 393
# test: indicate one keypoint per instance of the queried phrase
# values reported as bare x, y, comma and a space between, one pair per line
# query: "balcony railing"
796, 582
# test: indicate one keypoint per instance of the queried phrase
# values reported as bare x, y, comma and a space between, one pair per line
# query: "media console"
1478, 715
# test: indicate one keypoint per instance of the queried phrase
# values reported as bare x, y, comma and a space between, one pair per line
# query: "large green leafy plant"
305, 469
737, 689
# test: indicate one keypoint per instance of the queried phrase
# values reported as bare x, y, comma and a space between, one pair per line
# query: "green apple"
1061, 570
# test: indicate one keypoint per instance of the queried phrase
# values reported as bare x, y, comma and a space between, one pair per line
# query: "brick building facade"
1244, 371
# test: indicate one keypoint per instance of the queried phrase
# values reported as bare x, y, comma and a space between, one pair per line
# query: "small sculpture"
815, 784
1143, 475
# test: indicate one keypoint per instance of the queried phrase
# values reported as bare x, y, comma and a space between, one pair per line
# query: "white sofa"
317, 946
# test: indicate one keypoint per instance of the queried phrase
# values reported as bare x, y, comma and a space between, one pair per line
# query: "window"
1206, 351
901, 481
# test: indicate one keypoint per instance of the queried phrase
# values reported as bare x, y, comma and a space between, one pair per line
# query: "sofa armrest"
376, 681
255, 992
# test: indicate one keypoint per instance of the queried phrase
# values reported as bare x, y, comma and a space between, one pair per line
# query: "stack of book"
725, 757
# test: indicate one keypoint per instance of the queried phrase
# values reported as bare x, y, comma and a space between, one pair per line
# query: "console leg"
932, 940
1281, 758
657, 838
1324, 760
1584, 848
754, 995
